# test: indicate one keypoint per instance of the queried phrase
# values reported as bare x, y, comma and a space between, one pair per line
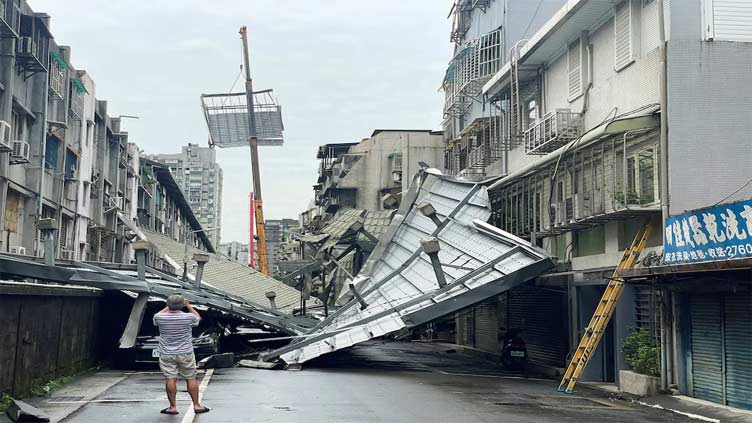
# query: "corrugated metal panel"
231, 276
707, 363
398, 284
538, 312
732, 20
487, 327
738, 338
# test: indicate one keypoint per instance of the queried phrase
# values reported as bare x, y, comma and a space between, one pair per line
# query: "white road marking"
690, 415
190, 414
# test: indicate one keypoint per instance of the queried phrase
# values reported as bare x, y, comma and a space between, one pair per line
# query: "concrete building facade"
590, 150
277, 233
200, 177
372, 174
236, 251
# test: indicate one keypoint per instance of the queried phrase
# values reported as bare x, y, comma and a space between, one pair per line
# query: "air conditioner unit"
66, 255
581, 206
560, 213
5, 134
20, 153
18, 250
397, 176
25, 45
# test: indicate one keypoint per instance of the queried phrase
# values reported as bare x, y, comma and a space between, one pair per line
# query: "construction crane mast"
258, 207
247, 119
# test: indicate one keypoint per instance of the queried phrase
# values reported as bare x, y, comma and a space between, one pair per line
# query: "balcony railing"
554, 130
9, 19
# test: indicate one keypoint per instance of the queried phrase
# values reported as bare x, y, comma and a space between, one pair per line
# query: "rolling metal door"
487, 327
538, 312
707, 348
738, 345
731, 20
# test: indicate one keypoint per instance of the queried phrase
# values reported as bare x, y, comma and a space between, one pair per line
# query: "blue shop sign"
717, 233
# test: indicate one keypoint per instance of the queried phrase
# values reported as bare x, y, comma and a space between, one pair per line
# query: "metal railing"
552, 131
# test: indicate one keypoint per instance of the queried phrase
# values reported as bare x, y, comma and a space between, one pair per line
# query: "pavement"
375, 382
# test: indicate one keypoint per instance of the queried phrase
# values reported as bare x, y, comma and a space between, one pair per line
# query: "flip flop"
167, 411
202, 410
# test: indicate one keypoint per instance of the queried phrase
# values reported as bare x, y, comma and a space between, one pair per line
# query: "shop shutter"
538, 312
486, 327
707, 363
738, 350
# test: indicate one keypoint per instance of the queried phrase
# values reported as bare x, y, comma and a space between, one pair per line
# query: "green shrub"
5, 401
642, 353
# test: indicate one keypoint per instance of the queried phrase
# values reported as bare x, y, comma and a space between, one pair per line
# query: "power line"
535, 15
733, 193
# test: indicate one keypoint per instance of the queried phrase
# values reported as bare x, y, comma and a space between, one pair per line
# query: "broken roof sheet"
228, 275
398, 284
374, 222
123, 278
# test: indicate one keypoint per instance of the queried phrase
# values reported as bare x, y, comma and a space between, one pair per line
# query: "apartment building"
589, 150
51, 129
200, 177
236, 251
277, 233
482, 34
372, 174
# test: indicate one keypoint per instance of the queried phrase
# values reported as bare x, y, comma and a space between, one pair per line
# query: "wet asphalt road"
381, 382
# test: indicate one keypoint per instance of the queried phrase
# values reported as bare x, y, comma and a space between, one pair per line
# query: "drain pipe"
667, 347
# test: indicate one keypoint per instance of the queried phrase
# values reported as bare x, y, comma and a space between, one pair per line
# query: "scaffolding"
227, 118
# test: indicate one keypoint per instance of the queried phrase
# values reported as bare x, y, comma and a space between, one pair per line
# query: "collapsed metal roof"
228, 275
398, 287
156, 283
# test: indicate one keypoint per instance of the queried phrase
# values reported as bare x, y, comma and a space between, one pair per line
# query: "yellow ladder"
603, 313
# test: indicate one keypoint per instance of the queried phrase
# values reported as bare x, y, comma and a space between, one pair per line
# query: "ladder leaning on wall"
603, 312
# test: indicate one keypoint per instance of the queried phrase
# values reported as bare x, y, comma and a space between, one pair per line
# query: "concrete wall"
47, 333
710, 122
372, 173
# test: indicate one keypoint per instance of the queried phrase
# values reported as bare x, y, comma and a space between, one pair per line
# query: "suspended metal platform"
227, 118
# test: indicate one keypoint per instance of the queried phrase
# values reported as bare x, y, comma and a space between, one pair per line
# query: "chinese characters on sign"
718, 233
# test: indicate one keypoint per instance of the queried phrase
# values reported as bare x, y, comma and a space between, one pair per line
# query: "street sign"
716, 233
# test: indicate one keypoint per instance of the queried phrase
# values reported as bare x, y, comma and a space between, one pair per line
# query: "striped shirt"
175, 332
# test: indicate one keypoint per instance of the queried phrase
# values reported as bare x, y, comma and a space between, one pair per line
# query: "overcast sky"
340, 68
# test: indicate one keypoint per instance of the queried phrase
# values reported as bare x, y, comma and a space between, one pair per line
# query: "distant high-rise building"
277, 232
197, 172
236, 251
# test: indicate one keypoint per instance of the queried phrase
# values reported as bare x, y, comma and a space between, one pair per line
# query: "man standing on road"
176, 350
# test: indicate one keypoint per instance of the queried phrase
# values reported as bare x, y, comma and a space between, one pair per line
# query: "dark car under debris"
207, 337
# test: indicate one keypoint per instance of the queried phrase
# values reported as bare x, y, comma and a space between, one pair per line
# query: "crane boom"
258, 208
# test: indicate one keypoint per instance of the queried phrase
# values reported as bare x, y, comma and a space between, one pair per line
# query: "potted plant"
642, 353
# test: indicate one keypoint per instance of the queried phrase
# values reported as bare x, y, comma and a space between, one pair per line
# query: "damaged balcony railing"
554, 130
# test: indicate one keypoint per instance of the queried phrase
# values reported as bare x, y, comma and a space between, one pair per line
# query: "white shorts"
182, 364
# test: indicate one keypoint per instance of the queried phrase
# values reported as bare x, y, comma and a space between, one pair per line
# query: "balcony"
10, 15
553, 131
589, 187
32, 52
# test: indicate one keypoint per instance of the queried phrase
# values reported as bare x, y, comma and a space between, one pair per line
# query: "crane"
258, 204
247, 119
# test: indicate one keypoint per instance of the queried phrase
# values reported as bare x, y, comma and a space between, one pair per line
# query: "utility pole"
253, 142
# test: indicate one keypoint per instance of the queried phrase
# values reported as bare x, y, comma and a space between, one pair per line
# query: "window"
642, 186
624, 35
574, 69
489, 53
729, 20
